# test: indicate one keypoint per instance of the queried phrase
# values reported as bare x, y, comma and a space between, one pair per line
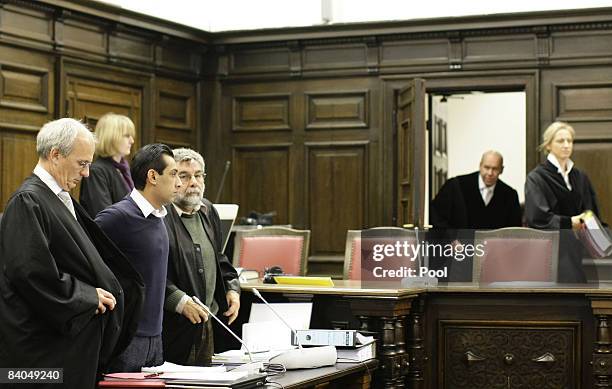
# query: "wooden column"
602, 347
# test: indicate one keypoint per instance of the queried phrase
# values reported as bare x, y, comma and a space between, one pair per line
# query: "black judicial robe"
459, 205
104, 187
51, 265
550, 205
178, 333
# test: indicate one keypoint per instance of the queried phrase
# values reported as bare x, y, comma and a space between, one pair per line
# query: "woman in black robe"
109, 176
556, 196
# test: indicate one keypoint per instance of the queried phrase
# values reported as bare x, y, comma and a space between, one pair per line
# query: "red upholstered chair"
272, 246
516, 254
352, 249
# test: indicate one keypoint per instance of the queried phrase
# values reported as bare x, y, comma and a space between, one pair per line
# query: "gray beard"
190, 201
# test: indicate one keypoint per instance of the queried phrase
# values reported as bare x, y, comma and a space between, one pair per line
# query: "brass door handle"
472, 358
545, 358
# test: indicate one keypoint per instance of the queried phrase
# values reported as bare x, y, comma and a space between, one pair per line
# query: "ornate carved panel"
336, 193
261, 179
477, 355
18, 160
26, 23
265, 60
175, 113
499, 48
84, 35
337, 110
24, 87
176, 56
261, 112
335, 56
417, 52
572, 44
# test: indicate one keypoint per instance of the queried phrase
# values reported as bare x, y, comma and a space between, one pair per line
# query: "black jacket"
459, 205
178, 332
51, 266
550, 205
104, 186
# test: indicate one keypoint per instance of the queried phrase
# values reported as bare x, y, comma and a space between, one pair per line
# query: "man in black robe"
474, 201
196, 267
68, 297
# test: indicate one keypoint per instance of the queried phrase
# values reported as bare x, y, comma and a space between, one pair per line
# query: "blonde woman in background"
556, 196
109, 176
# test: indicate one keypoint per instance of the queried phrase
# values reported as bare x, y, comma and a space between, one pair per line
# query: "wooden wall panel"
583, 44
589, 105
596, 159
417, 52
336, 110
84, 35
18, 160
30, 24
265, 60
262, 180
335, 56
261, 112
336, 194
500, 48
131, 47
175, 113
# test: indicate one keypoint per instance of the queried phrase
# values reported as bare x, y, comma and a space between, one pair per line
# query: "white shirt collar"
180, 211
145, 206
482, 186
555, 161
48, 179
564, 174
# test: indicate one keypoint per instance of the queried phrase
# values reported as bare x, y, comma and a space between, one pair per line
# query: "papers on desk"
239, 357
169, 367
360, 353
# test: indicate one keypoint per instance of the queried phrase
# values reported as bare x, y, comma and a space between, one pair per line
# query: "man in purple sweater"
135, 224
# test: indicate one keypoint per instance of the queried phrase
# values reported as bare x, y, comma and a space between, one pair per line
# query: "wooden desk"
470, 336
341, 375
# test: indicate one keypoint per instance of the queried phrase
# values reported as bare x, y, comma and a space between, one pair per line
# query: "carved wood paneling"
500, 48
24, 87
336, 193
131, 47
261, 112
175, 113
585, 103
84, 35
335, 56
264, 61
417, 52
337, 110
262, 180
573, 44
177, 56
18, 160
595, 158
26, 23
509, 356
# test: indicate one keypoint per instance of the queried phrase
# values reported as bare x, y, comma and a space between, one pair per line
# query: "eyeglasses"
186, 178
84, 164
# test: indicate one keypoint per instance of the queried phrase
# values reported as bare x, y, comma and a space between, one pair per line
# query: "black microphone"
222, 183
256, 365
301, 358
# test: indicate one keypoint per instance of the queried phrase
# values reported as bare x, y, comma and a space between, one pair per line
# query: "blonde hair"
551, 131
109, 130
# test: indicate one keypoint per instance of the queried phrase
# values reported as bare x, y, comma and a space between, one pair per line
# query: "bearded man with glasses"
196, 267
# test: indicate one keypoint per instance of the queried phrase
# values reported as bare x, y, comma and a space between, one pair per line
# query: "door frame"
511, 80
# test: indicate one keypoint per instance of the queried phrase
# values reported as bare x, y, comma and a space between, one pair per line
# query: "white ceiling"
225, 15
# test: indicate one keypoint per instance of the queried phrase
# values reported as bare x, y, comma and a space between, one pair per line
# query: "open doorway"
462, 125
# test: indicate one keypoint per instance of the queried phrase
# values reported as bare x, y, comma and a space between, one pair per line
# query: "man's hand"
194, 312
577, 221
233, 302
105, 299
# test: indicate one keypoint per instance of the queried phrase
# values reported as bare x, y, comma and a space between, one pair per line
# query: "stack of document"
239, 357
364, 349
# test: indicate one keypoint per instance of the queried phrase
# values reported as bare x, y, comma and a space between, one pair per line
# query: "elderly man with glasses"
196, 267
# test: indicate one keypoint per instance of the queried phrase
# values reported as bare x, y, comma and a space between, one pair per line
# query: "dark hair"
149, 157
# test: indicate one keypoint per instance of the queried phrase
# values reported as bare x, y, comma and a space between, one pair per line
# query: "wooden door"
438, 142
411, 149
